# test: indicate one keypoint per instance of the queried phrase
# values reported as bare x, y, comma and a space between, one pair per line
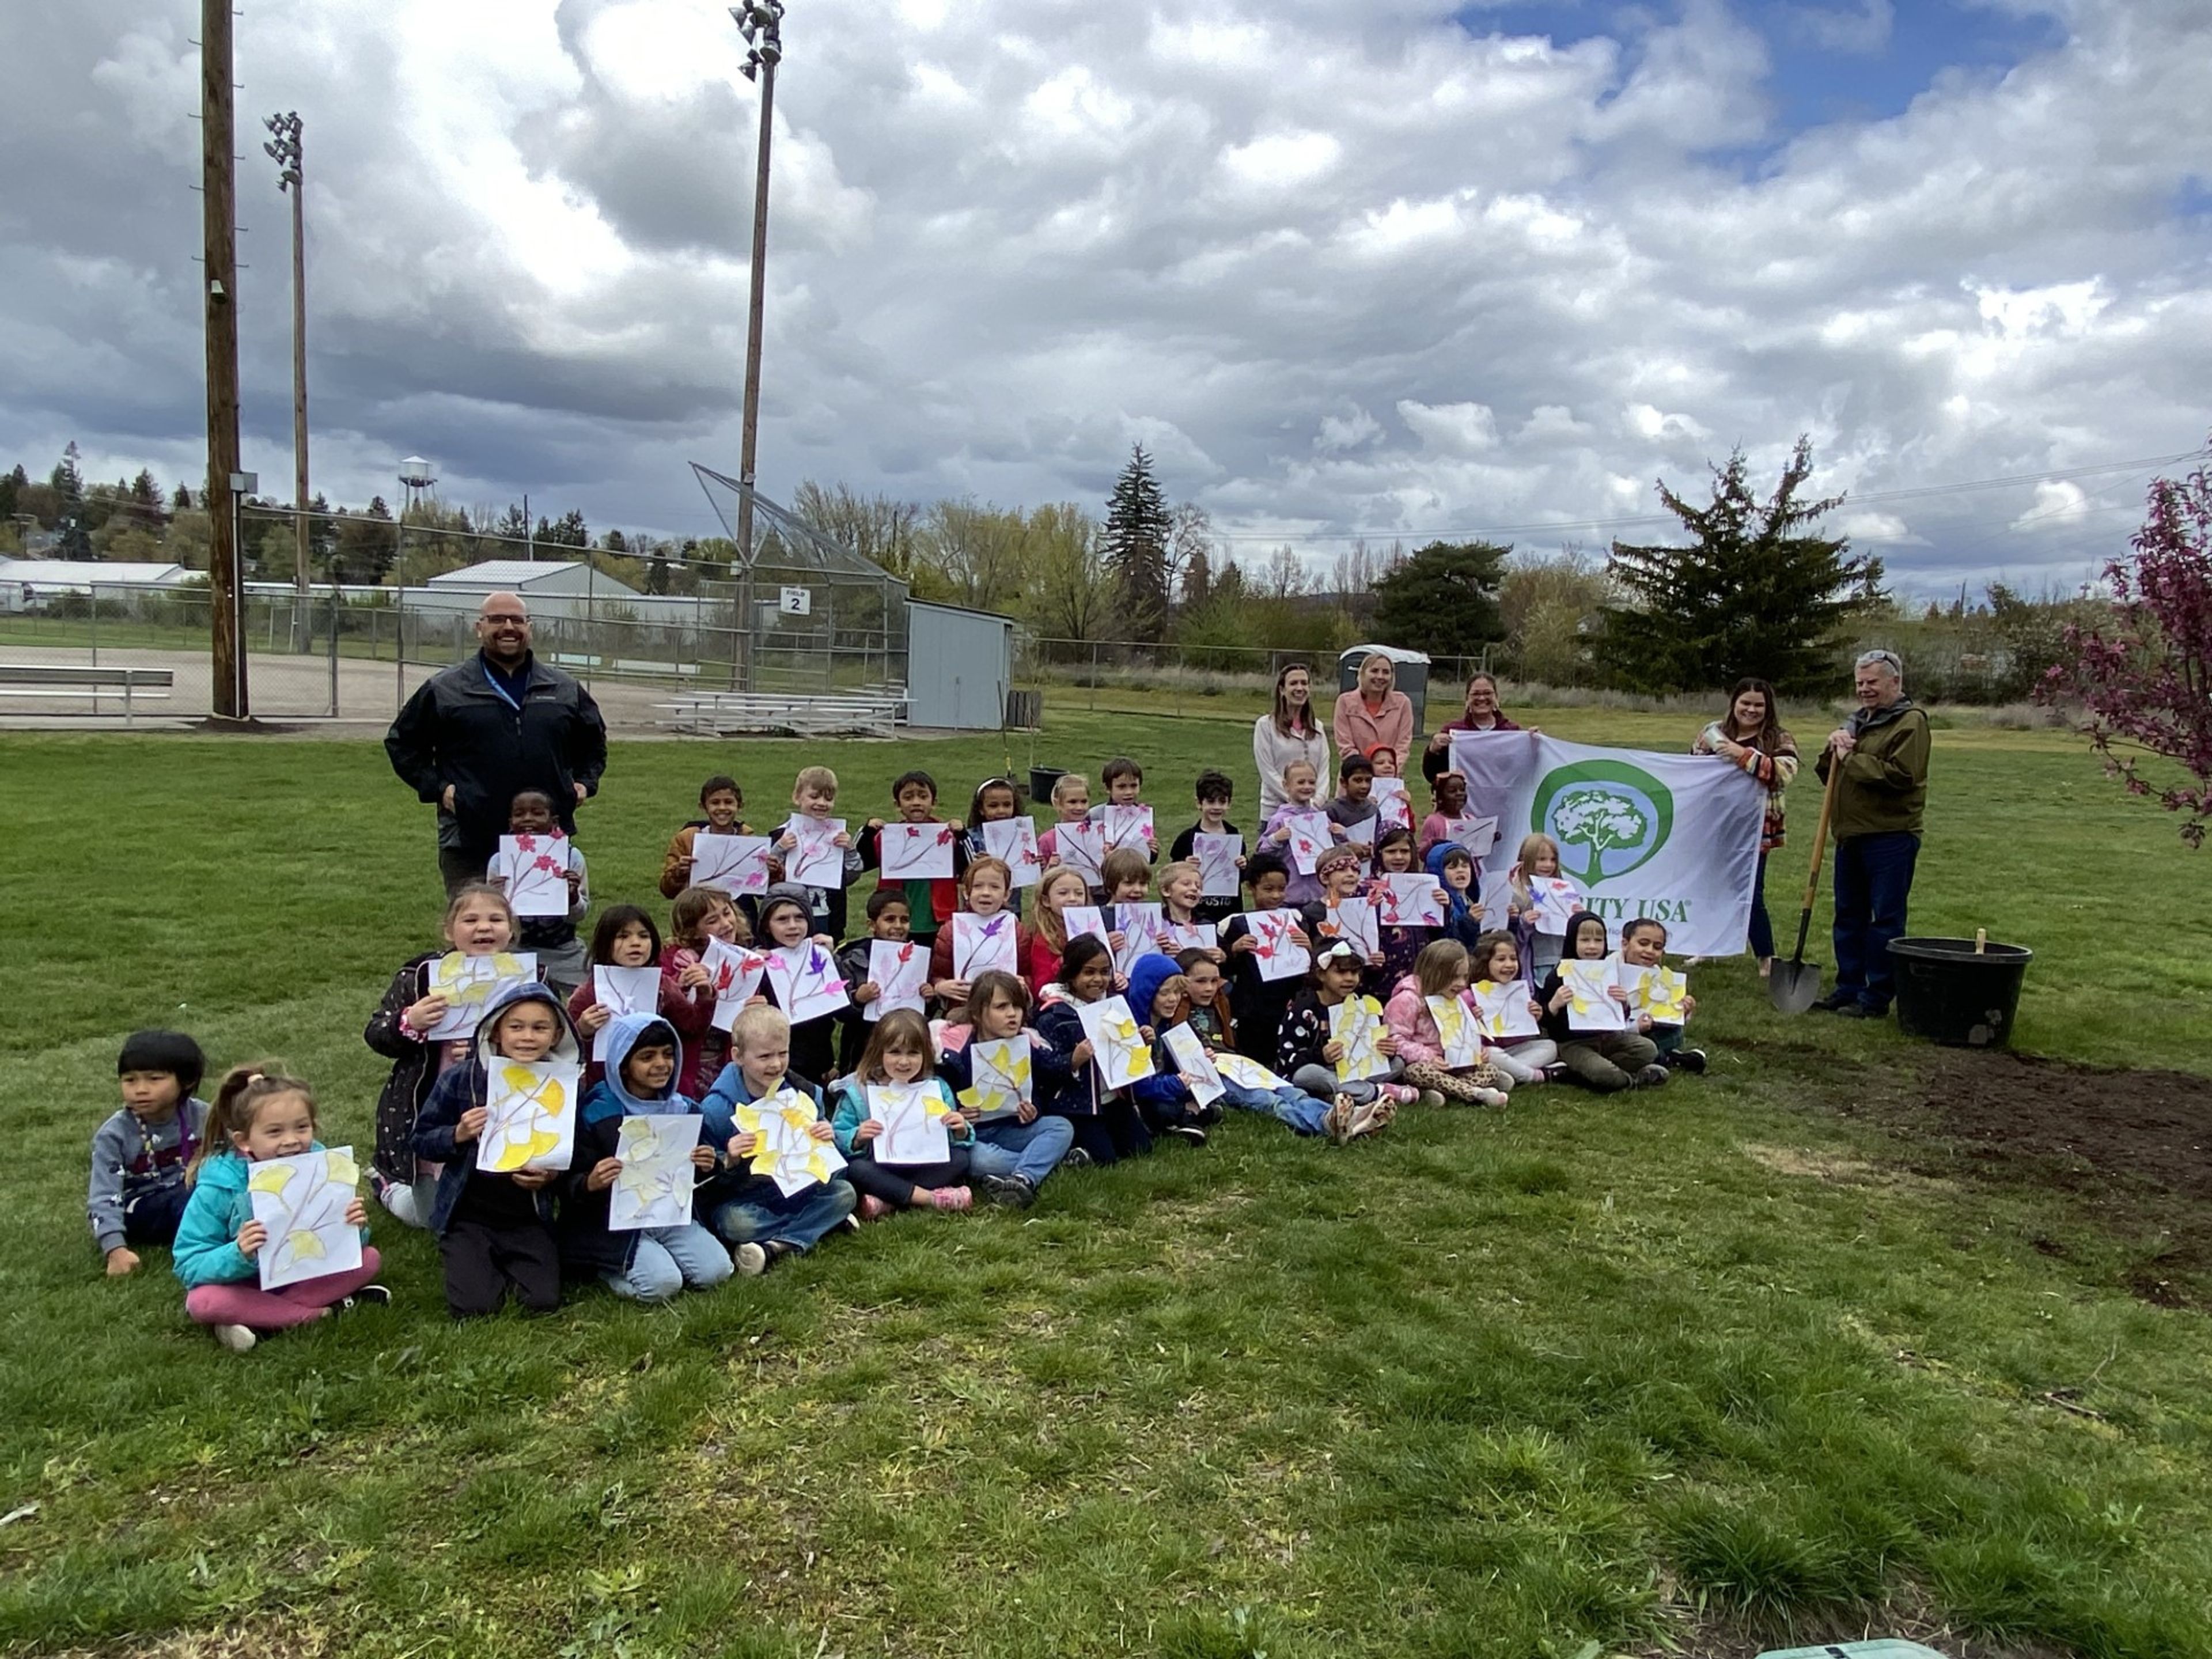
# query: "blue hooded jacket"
1461, 923
464, 1088
206, 1249
588, 1245
1146, 974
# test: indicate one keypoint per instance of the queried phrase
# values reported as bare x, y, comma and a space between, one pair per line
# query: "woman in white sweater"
1288, 732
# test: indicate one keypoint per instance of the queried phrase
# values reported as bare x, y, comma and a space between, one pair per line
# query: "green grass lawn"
1698, 1368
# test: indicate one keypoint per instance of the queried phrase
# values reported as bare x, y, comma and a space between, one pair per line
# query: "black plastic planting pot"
1949, 993
1042, 779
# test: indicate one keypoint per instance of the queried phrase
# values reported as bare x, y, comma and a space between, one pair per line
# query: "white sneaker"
238, 1339
1491, 1096
750, 1259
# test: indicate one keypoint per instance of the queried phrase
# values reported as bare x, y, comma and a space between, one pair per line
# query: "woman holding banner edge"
1751, 736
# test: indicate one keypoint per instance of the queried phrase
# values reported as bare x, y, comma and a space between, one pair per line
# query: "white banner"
1641, 833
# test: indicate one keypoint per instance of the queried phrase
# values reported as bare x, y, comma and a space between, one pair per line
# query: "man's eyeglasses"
497, 617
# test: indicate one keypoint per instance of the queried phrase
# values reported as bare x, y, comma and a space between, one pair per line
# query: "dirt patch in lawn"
2133, 1149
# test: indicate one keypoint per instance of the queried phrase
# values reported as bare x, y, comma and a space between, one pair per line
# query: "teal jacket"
853, 1112
206, 1251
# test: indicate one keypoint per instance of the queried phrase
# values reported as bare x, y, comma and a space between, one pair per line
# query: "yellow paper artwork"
788, 1153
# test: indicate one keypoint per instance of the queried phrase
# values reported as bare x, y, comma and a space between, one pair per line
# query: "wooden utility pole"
219, 239
760, 21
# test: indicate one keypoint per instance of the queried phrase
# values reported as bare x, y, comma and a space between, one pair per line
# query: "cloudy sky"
1383, 266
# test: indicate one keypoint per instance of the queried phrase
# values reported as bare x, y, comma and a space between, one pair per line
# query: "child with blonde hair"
760, 1222
1440, 970
1539, 856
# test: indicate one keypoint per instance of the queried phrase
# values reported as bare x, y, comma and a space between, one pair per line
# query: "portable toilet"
1413, 670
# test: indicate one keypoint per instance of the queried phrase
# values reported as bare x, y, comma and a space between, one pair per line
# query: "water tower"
417, 479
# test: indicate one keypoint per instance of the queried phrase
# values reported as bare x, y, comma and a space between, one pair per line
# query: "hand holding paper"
301, 1202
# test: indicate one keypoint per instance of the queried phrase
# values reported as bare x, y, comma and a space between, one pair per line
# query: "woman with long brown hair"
1288, 731
1751, 736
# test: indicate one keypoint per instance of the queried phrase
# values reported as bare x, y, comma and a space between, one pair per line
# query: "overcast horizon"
1403, 270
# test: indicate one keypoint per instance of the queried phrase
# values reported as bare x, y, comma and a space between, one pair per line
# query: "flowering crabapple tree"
2146, 676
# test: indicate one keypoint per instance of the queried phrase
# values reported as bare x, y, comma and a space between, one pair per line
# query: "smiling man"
1881, 792
479, 733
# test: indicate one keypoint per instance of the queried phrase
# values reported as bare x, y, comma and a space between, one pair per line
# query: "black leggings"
895, 1183
482, 1261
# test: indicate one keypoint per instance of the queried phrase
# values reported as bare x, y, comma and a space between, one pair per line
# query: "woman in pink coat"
1375, 712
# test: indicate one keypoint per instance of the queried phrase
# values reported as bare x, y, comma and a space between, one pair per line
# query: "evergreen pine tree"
1443, 600
1756, 592
66, 479
1135, 546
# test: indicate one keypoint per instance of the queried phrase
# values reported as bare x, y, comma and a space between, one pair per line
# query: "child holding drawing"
551, 940
1010, 1157
698, 914
899, 1054
1440, 971
494, 1229
478, 923
1606, 1061
257, 1114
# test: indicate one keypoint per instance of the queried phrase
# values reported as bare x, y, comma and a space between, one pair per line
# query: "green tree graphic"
1602, 820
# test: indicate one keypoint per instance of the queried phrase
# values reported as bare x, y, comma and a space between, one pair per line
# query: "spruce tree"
1757, 591
1135, 544
1444, 599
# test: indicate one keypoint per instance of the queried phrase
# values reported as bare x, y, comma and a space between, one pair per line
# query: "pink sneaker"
872, 1208
1398, 1094
952, 1198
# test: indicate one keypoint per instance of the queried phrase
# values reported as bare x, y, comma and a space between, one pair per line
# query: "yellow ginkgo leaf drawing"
304, 1245
1664, 991
338, 1164
269, 1176
530, 1118
301, 1201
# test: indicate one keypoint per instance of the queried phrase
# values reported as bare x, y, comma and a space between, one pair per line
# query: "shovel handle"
1820, 832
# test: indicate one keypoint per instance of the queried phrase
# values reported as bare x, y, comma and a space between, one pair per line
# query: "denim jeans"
1031, 1150
1287, 1105
1873, 878
1762, 926
669, 1258
756, 1213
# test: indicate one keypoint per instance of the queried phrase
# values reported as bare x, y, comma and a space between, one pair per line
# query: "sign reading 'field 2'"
796, 602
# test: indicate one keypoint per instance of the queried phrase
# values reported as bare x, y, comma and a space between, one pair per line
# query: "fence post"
92, 620
334, 654
1094, 681
400, 655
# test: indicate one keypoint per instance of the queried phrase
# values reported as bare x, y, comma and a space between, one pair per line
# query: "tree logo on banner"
1609, 817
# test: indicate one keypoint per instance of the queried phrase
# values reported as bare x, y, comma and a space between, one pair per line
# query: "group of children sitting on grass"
1206, 1001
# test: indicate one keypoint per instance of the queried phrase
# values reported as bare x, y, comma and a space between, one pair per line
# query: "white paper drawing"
1358, 926
1192, 936
788, 1153
899, 969
654, 1186
533, 870
1117, 1043
816, 860
1081, 848
1357, 1023
1555, 900
1477, 834
734, 976
1014, 840
1194, 1065
1140, 927
1309, 839
301, 1202
805, 982
913, 1117
1459, 1031
1081, 918
1247, 1073
1504, 1010
469, 984
1361, 832
1218, 856
1394, 806
981, 943
1000, 1079
1658, 992
1589, 1007
623, 991
1280, 956
530, 1121
1409, 901
917, 851
1128, 827
734, 864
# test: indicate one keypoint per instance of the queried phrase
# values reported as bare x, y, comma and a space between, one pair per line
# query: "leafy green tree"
1553, 607
1444, 599
1072, 591
1134, 545
1757, 591
1601, 821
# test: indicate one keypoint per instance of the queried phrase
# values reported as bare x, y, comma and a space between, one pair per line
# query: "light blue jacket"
206, 1251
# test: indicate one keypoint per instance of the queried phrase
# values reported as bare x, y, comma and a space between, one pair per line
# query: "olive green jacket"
1884, 786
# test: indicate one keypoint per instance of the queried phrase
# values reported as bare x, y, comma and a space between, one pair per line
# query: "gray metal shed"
959, 666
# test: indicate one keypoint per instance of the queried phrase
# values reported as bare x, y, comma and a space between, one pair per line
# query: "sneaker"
1684, 1059
1496, 1097
1336, 1124
1555, 1071
1189, 1133
368, 1296
777, 1250
238, 1339
849, 1222
750, 1259
1433, 1097
952, 1198
1077, 1158
872, 1209
1398, 1094
1012, 1191
1651, 1076
1856, 1010
1369, 1116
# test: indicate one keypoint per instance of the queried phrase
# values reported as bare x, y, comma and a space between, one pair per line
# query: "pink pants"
246, 1303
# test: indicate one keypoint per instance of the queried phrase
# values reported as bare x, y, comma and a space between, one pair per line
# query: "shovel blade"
1793, 986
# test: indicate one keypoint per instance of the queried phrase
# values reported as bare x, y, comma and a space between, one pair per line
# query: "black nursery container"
1949, 993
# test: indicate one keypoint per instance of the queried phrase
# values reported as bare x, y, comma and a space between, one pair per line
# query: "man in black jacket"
476, 735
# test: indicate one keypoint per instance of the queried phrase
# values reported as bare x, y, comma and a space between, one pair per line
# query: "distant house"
35, 584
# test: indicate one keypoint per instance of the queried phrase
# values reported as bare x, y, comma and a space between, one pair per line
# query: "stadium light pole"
760, 23
284, 148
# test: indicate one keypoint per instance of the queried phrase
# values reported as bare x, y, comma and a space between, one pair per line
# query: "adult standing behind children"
1289, 732
1481, 713
1374, 714
477, 734
1880, 796
1751, 735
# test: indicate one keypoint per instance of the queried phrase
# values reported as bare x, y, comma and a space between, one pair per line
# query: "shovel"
1794, 986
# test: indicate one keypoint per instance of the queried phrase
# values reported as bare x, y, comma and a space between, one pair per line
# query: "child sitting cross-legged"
760, 1221
1207, 1014
898, 1053
1643, 945
1494, 961
140, 1154
258, 1114
644, 1264
1604, 1060
1307, 1055
494, 1228
1010, 1156
1440, 970
1105, 1120
1160, 996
